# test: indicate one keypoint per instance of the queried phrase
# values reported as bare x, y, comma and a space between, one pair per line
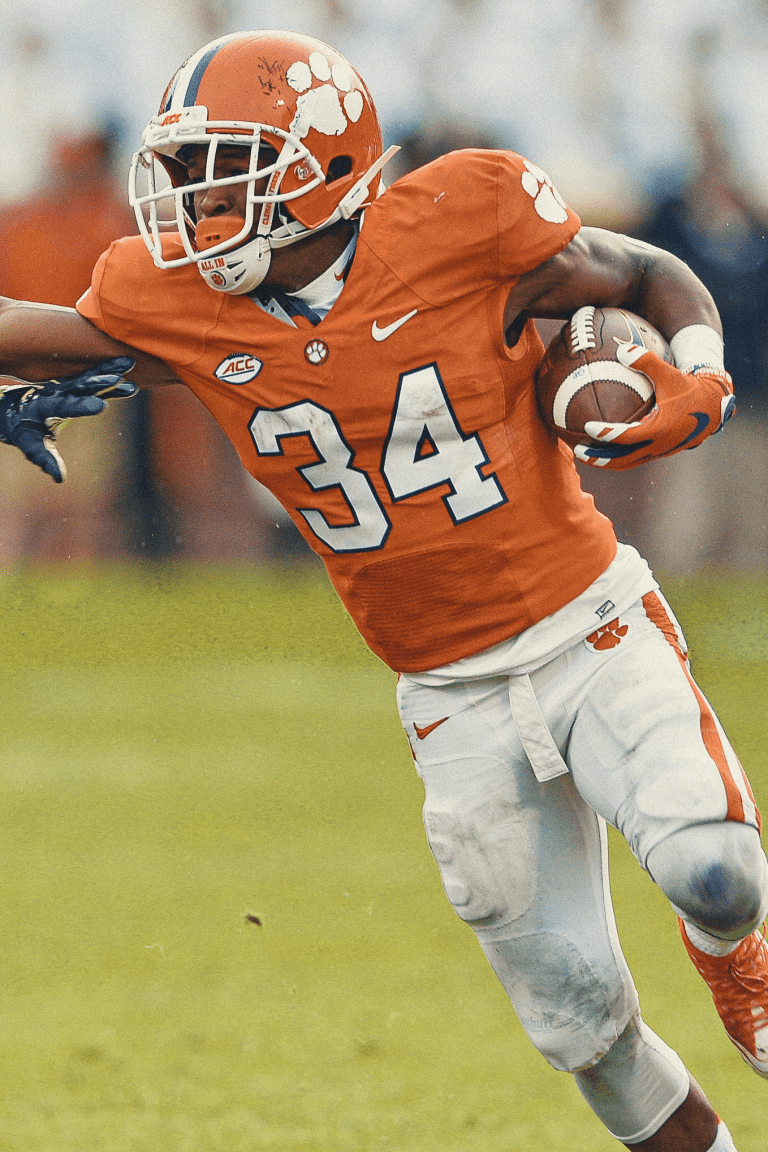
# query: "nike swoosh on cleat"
422, 733
383, 333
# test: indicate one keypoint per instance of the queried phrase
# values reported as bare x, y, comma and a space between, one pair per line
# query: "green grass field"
185, 751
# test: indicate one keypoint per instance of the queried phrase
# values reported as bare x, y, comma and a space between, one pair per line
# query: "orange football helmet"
282, 89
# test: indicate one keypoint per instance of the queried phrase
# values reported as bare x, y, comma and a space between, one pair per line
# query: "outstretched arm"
75, 366
41, 341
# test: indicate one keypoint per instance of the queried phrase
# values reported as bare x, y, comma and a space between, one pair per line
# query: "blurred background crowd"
650, 116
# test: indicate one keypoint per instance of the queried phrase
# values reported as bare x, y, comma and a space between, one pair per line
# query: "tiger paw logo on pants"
608, 636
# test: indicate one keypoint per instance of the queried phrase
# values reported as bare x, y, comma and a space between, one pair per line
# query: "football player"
371, 355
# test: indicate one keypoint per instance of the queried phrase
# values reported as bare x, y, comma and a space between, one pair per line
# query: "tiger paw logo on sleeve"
546, 199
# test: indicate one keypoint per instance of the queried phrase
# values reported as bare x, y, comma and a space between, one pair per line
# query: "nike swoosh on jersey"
422, 733
383, 333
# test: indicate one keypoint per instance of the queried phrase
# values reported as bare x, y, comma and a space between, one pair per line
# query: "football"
580, 378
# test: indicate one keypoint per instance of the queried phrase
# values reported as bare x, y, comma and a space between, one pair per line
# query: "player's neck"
297, 265
323, 292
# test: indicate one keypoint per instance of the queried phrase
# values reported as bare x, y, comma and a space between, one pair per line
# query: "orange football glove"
689, 407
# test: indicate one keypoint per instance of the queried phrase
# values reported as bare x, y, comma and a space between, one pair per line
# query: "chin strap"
357, 197
358, 193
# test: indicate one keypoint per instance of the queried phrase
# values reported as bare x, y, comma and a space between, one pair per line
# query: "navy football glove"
31, 413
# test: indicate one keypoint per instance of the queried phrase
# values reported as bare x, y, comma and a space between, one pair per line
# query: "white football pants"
521, 775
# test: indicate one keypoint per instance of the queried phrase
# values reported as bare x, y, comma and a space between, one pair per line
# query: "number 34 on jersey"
425, 448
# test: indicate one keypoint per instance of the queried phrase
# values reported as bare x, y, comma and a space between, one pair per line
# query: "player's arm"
693, 399
605, 269
55, 366
41, 341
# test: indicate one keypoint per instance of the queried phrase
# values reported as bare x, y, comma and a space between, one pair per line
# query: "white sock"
711, 945
723, 1140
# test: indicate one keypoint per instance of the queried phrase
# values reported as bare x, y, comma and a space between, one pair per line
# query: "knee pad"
572, 1006
715, 875
486, 861
637, 1085
567, 982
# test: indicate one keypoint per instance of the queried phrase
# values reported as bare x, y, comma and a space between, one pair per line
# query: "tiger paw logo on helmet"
329, 108
546, 199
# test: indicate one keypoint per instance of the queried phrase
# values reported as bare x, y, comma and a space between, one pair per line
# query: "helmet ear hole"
338, 167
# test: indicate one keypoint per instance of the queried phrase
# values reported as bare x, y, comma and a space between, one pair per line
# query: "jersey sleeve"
147, 308
477, 216
534, 222
89, 304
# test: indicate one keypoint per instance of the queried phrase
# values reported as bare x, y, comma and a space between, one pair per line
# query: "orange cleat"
739, 986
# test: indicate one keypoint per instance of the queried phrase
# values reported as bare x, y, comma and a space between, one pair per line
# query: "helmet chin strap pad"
239, 270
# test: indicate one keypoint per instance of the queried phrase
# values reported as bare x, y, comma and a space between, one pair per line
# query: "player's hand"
31, 413
689, 407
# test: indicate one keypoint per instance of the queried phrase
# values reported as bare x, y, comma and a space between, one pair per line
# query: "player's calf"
637, 1086
645, 1097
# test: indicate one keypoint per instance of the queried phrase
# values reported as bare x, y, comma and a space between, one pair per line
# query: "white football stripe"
605, 431
591, 373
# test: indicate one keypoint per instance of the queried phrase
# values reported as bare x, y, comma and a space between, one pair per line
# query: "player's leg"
621, 1084
715, 877
648, 753
525, 864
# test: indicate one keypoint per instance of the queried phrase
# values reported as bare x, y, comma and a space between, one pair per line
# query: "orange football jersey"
400, 433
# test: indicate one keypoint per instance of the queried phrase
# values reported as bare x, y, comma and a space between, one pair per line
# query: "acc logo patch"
239, 368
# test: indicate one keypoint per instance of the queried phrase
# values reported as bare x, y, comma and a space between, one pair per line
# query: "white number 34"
425, 448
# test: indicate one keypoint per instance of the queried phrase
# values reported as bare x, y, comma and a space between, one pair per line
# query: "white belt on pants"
535, 736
